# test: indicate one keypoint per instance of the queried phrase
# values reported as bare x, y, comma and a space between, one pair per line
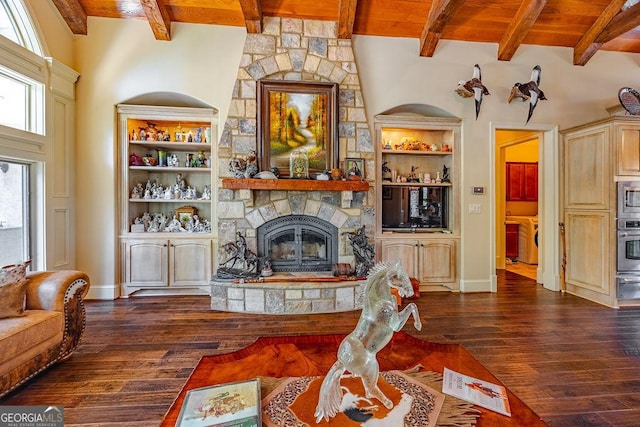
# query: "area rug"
312, 355
290, 402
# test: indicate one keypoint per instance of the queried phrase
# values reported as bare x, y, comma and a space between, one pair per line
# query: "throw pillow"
13, 288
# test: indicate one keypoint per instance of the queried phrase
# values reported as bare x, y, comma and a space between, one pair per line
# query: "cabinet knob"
165, 245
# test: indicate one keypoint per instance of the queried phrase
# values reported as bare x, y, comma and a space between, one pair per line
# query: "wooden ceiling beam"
624, 21
252, 11
587, 46
440, 14
158, 18
73, 14
346, 18
519, 27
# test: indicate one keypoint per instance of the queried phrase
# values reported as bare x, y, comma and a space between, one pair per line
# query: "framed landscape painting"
296, 115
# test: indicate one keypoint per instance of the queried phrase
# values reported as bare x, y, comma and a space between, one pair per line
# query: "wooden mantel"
293, 184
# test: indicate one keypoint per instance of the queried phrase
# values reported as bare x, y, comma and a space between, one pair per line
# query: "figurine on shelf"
206, 193
413, 177
386, 172
135, 160
138, 191
174, 225
445, 174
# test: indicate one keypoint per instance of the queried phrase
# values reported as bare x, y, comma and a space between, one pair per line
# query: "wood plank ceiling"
585, 26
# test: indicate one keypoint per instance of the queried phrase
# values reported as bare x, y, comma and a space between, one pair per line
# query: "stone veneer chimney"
297, 50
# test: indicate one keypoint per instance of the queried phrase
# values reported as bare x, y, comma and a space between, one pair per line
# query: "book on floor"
482, 393
234, 404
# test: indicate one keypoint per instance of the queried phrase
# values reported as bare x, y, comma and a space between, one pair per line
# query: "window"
22, 107
14, 212
20, 101
16, 25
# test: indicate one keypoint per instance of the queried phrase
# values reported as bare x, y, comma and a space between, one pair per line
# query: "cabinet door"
531, 182
515, 179
587, 169
522, 181
146, 263
404, 251
628, 144
190, 262
437, 261
589, 242
512, 235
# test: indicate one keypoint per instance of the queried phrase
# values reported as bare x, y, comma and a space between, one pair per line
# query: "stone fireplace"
296, 50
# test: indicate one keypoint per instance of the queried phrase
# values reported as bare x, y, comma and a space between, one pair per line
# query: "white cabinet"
166, 195
431, 261
160, 263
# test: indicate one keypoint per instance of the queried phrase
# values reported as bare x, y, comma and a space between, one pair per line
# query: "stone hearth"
287, 297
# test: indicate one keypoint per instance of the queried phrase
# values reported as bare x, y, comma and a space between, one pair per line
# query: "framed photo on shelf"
185, 213
297, 115
354, 167
230, 404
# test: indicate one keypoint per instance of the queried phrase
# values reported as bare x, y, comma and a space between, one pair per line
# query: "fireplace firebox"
298, 243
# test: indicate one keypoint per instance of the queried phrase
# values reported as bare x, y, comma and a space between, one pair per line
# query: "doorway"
539, 217
519, 159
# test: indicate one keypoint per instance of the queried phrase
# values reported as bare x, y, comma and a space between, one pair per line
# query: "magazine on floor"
226, 405
482, 393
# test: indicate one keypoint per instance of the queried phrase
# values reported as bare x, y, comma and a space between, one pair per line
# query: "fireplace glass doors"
298, 243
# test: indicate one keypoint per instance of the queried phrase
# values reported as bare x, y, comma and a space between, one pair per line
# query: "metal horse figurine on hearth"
357, 352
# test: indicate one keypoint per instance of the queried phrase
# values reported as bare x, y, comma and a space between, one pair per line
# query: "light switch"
474, 209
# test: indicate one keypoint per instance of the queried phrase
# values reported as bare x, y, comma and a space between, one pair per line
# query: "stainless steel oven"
628, 199
628, 286
629, 246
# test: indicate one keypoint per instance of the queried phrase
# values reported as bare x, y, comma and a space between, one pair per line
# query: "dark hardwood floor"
574, 362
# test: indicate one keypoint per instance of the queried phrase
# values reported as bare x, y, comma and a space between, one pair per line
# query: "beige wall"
119, 59
58, 39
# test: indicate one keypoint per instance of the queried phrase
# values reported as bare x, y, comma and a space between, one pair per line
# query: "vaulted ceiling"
585, 26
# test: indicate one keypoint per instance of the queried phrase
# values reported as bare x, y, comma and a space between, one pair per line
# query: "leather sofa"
49, 329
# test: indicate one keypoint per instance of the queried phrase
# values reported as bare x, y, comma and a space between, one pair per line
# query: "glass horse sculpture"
357, 352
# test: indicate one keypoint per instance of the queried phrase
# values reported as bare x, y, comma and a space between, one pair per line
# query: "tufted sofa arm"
62, 291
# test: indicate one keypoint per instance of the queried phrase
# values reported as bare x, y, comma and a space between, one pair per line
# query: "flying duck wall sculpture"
529, 91
473, 87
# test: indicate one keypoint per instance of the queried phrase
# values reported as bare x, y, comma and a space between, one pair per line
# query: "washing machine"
527, 238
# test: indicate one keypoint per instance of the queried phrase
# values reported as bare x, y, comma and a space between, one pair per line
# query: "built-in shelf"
416, 184
293, 184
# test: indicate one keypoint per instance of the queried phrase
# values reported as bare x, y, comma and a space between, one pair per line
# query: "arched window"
21, 91
16, 25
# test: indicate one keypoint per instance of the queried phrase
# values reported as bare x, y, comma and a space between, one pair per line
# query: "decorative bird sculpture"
473, 87
529, 91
